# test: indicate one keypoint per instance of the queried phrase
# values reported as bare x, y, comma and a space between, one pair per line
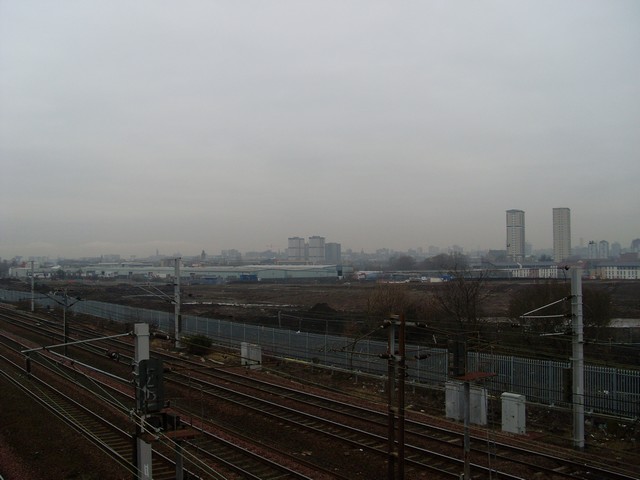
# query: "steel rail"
522, 450
446, 436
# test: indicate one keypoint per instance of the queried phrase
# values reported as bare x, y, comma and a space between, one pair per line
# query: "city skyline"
135, 127
297, 250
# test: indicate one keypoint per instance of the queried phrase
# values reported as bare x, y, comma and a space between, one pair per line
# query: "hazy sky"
130, 126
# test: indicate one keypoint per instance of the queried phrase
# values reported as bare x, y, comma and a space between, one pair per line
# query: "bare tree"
403, 262
388, 299
459, 304
598, 309
462, 298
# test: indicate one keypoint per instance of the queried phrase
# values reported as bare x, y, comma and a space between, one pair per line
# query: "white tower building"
515, 235
316, 250
296, 249
561, 234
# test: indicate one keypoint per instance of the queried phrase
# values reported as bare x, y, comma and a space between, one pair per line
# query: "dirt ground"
243, 301
261, 301
341, 308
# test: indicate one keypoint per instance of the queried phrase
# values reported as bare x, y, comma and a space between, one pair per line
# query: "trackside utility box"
513, 413
250, 355
454, 399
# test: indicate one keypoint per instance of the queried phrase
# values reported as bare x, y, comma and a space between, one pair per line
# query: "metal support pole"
97, 339
143, 450
179, 462
28, 365
65, 305
65, 328
176, 302
33, 307
467, 421
391, 376
401, 377
577, 359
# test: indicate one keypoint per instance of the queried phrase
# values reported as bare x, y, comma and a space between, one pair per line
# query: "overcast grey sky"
127, 127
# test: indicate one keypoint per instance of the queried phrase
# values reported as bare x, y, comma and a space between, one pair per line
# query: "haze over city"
136, 127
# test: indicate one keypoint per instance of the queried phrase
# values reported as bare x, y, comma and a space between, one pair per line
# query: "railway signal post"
152, 417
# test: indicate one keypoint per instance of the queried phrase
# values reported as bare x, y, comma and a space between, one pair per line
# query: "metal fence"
608, 390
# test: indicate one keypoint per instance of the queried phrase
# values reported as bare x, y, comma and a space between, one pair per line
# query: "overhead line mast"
176, 302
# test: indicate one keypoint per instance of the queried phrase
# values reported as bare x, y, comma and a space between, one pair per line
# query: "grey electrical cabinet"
454, 400
513, 413
250, 355
455, 403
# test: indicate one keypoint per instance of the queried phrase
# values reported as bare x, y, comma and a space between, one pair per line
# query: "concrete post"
143, 449
467, 439
391, 396
402, 370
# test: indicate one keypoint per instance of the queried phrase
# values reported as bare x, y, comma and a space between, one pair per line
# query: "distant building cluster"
314, 252
604, 261
598, 258
516, 245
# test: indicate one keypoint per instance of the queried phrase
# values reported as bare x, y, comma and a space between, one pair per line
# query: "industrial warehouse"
194, 274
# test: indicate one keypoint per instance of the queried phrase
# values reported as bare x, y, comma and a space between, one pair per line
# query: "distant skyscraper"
616, 249
332, 253
316, 250
296, 249
561, 234
603, 249
515, 235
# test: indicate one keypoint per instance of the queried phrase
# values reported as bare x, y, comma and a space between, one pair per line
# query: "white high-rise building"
316, 250
296, 249
515, 235
561, 234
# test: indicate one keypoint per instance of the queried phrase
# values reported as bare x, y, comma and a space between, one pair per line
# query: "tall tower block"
561, 234
515, 235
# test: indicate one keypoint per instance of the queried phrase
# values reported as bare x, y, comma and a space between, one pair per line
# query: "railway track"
495, 449
427, 449
208, 455
491, 453
108, 436
365, 428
